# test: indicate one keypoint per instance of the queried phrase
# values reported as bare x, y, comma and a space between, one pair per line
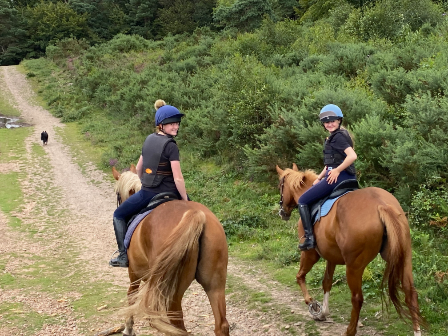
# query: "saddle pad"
131, 228
326, 207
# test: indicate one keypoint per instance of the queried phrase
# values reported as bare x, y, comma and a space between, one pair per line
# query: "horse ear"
294, 167
132, 169
279, 170
115, 173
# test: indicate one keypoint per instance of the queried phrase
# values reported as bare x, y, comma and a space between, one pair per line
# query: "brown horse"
179, 241
352, 235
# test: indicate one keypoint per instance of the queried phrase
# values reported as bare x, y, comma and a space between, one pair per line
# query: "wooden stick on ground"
111, 331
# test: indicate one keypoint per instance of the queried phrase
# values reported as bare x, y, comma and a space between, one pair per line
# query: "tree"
180, 16
51, 21
105, 18
246, 15
142, 14
12, 35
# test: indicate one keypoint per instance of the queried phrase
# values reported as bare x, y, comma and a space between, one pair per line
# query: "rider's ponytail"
350, 134
159, 103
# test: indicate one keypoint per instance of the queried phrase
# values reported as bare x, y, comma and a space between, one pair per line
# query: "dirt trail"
82, 205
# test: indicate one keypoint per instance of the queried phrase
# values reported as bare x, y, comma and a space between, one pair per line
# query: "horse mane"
128, 181
297, 179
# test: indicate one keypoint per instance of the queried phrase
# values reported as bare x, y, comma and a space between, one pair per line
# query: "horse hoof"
320, 318
315, 310
131, 334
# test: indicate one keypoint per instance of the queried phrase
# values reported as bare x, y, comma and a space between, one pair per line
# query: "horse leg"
327, 283
212, 278
133, 287
354, 280
176, 308
217, 300
307, 261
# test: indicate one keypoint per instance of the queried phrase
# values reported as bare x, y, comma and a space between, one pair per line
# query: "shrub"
245, 15
429, 206
393, 18
346, 59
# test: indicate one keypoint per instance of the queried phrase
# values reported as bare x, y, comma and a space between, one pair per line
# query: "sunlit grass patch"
12, 143
10, 192
6, 104
26, 320
80, 146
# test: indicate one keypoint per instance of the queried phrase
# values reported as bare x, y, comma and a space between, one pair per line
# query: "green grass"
244, 295
80, 147
6, 108
47, 273
10, 192
12, 143
28, 322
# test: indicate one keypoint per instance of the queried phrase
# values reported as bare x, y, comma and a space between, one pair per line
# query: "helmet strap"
168, 135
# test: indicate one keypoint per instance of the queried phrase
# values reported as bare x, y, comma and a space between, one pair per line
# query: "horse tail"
398, 257
154, 298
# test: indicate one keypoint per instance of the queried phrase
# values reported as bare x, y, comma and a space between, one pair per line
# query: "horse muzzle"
285, 216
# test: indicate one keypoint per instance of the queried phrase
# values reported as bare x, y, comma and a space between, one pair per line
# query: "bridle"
118, 199
282, 213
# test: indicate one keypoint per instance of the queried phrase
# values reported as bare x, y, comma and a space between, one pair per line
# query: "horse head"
128, 183
292, 184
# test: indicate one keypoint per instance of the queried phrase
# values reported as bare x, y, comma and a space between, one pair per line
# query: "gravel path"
82, 205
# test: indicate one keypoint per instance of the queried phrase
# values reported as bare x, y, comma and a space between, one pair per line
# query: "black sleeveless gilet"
152, 151
335, 157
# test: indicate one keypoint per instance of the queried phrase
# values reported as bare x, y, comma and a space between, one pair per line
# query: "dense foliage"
252, 92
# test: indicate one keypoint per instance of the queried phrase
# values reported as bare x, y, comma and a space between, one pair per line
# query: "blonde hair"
159, 103
351, 136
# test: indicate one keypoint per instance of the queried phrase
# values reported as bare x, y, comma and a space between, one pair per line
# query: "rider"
339, 157
158, 169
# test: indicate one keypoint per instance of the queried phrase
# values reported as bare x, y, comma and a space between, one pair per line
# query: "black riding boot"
305, 215
120, 227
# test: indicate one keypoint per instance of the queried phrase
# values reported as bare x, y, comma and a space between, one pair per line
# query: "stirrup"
308, 244
119, 262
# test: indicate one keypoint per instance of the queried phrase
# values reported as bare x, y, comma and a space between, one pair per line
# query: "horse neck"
297, 192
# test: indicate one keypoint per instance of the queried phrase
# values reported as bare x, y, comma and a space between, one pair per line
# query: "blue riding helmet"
330, 112
168, 114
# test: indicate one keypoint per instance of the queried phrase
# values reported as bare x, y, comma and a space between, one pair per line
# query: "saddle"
137, 218
340, 190
155, 202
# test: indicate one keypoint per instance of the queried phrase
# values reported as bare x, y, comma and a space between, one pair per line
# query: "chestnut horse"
352, 235
179, 241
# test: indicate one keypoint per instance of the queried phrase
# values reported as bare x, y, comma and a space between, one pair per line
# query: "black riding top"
335, 145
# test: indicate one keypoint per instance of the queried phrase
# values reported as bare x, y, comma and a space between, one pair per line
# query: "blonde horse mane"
297, 179
128, 181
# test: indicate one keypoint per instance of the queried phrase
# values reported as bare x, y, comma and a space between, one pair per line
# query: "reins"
118, 199
281, 211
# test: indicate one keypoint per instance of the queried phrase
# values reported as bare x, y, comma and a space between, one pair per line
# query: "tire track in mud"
78, 207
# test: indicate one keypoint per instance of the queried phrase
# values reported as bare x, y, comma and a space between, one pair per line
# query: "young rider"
158, 169
339, 157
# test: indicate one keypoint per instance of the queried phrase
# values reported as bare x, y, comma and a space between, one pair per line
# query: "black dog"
44, 137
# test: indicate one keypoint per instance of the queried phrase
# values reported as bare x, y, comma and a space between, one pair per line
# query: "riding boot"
120, 227
305, 215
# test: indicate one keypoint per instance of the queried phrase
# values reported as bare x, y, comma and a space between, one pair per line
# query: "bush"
66, 48
429, 206
393, 18
346, 59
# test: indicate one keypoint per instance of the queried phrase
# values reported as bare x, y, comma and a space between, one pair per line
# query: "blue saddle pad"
131, 228
326, 207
